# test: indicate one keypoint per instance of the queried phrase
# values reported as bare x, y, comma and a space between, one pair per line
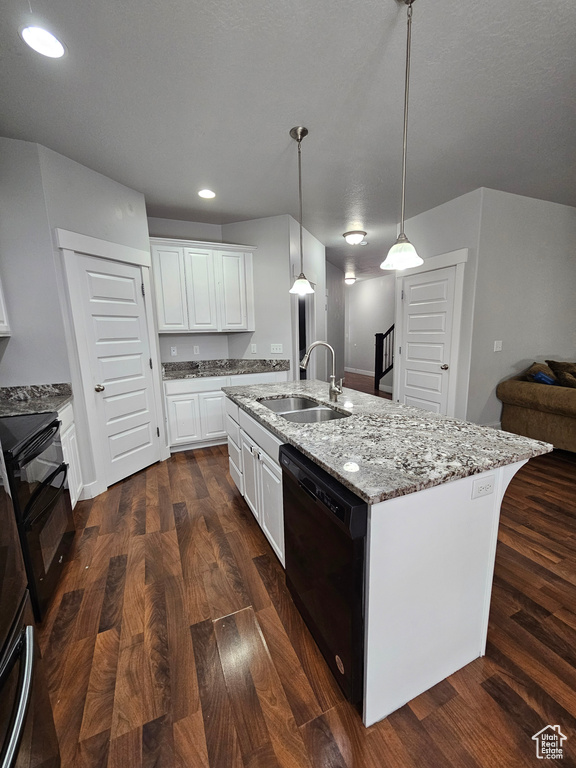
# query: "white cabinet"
202, 287
258, 478
212, 415
70, 453
4, 324
183, 418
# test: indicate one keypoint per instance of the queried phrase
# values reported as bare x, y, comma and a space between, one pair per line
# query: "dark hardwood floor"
363, 383
173, 642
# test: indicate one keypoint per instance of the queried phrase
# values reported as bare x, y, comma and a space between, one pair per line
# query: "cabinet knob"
99, 388
444, 367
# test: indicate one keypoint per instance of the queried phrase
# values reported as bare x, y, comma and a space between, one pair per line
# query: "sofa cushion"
565, 373
537, 368
528, 394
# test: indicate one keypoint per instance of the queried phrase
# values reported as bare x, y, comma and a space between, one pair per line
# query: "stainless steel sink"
313, 415
283, 405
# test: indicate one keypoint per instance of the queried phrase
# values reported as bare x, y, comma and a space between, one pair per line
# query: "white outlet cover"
196, 350
253, 348
483, 486
173, 351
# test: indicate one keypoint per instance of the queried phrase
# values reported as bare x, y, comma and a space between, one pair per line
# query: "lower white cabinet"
259, 480
195, 408
70, 453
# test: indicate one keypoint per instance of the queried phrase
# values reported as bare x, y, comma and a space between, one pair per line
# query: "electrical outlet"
173, 351
483, 486
276, 348
497, 346
196, 350
253, 348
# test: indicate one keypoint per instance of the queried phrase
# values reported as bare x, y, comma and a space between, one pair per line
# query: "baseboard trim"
358, 370
199, 444
385, 388
91, 490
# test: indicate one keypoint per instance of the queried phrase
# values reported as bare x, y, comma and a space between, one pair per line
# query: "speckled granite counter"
193, 369
397, 449
40, 398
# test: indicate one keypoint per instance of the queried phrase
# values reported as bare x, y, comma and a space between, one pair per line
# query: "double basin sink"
302, 410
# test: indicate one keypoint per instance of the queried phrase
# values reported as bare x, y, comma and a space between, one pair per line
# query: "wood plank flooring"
173, 642
362, 383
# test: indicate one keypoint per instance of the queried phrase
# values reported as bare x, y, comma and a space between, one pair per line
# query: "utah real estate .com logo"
549, 743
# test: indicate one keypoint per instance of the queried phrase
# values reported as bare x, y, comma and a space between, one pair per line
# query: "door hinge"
143, 291
402, 297
399, 350
150, 362
158, 431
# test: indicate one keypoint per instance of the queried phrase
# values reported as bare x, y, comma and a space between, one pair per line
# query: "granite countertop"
39, 398
385, 449
194, 369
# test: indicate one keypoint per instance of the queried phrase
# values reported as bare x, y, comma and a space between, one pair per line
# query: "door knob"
99, 388
444, 367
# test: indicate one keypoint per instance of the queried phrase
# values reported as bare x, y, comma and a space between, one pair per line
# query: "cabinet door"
212, 415
183, 419
201, 290
72, 458
232, 283
4, 324
170, 287
271, 505
250, 471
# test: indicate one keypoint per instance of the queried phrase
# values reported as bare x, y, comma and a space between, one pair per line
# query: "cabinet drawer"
242, 379
234, 453
184, 386
232, 429
236, 475
66, 416
232, 409
265, 439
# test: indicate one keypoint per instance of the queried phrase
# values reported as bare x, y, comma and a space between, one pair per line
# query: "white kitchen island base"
428, 586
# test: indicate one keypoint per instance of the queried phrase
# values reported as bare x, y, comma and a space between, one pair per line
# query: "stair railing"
384, 359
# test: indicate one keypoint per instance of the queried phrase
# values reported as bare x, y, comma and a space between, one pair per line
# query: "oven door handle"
24, 645
30, 522
33, 449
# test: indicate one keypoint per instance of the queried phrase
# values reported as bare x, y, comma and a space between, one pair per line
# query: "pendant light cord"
406, 93
300, 199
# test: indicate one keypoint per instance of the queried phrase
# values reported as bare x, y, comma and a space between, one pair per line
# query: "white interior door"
113, 313
424, 360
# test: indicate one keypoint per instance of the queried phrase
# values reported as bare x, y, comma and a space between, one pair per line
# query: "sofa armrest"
539, 397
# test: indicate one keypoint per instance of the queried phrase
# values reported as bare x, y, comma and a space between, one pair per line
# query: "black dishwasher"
325, 541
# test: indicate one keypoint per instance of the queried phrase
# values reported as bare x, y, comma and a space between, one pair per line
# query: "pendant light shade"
301, 285
403, 255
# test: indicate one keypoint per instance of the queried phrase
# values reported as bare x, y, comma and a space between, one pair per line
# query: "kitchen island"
434, 486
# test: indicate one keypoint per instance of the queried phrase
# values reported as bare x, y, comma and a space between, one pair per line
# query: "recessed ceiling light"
354, 237
43, 42
207, 193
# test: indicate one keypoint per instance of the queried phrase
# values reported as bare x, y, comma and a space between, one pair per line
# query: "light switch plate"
497, 346
196, 350
253, 348
277, 348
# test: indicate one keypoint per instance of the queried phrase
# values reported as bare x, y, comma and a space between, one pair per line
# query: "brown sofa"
541, 411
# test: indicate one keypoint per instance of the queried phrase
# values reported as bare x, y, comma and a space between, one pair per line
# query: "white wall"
212, 346
184, 230
447, 228
36, 352
81, 200
335, 315
369, 310
525, 293
271, 286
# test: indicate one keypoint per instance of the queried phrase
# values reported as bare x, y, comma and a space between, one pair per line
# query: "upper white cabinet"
4, 324
202, 286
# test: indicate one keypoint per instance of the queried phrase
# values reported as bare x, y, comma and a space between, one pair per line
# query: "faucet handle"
339, 385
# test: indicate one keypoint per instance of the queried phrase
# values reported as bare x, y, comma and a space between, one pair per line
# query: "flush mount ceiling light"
207, 193
301, 284
403, 255
43, 42
355, 237
349, 278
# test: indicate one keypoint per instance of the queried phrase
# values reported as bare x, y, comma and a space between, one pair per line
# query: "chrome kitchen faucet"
334, 389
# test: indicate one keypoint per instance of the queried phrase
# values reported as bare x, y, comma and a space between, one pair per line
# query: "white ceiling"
170, 97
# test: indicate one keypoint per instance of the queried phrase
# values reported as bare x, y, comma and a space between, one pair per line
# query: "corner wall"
335, 316
525, 293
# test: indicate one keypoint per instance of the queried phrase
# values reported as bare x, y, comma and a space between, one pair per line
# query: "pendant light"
403, 255
301, 284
